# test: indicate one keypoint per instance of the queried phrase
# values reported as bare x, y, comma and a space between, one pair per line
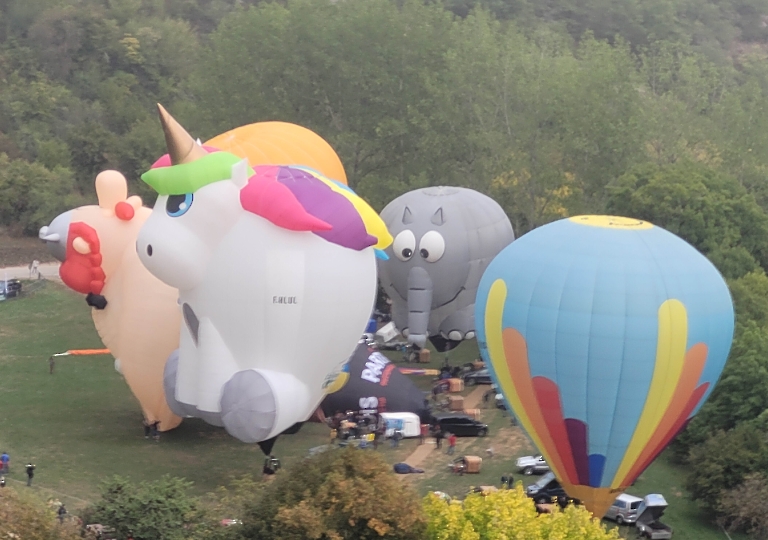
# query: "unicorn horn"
182, 148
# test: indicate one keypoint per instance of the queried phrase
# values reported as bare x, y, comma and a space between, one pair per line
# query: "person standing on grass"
5, 459
30, 473
424, 431
62, 512
438, 437
147, 428
451, 443
156, 430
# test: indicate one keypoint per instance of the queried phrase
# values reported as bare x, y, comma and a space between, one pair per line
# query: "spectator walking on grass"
438, 437
451, 443
30, 473
5, 460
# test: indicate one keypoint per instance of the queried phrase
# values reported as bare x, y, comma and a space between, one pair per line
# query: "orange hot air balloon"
281, 143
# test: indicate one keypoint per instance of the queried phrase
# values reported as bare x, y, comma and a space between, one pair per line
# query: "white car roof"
628, 498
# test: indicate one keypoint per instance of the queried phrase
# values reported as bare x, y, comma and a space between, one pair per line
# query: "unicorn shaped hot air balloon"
276, 273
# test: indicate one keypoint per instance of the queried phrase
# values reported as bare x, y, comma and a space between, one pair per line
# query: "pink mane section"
266, 197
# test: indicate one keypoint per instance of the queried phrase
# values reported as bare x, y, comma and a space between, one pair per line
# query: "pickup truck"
532, 464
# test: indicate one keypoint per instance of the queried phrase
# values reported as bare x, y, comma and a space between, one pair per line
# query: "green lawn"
81, 424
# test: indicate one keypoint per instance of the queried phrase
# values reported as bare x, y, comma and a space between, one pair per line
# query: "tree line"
347, 494
653, 109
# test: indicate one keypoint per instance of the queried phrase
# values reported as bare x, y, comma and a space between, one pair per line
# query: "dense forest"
654, 109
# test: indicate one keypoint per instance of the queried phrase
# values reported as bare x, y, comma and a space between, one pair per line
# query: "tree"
743, 507
26, 517
750, 298
702, 205
159, 510
32, 195
741, 394
337, 495
508, 514
723, 461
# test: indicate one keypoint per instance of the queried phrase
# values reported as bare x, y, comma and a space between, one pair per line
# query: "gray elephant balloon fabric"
445, 237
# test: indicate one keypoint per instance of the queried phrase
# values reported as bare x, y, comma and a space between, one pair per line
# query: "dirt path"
422, 451
47, 271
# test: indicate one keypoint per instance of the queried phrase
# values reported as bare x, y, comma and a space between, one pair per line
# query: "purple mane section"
320, 201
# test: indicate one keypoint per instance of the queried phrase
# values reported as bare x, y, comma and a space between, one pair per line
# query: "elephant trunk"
419, 305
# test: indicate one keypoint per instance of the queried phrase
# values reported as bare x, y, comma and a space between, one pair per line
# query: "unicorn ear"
241, 171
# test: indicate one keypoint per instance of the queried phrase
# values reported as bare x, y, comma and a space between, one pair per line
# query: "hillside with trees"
654, 109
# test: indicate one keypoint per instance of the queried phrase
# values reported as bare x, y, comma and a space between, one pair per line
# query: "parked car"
532, 465
461, 425
548, 490
624, 509
10, 288
480, 376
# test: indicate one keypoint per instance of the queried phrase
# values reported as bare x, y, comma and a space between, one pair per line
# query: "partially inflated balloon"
371, 383
281, 143
136, 315
606, 335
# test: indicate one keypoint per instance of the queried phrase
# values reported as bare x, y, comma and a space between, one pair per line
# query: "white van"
408, 423
624, 509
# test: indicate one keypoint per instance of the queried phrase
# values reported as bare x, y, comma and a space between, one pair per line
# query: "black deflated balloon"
375, 385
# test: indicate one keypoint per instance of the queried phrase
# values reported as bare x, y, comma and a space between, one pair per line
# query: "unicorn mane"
292, 197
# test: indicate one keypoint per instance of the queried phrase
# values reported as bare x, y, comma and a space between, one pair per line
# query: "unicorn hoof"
248, 406
169, 386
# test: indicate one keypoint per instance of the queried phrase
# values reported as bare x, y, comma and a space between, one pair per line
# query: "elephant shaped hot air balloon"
269, 262
445, 237
606, 335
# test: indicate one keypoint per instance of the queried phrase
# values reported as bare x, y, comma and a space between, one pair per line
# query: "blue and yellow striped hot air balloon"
605, 335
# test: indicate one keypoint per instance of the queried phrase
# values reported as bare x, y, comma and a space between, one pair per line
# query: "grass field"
81, 424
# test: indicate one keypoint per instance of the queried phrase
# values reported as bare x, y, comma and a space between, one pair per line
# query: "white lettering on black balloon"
373, 367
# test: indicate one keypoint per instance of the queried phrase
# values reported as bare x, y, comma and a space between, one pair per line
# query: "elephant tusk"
53, 237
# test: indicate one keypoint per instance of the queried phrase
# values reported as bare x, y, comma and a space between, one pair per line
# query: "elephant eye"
432, 246
177, 205
404, 245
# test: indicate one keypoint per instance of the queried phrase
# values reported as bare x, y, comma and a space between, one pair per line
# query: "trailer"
648, 515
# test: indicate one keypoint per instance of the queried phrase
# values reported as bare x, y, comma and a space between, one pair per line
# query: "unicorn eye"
177, 205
